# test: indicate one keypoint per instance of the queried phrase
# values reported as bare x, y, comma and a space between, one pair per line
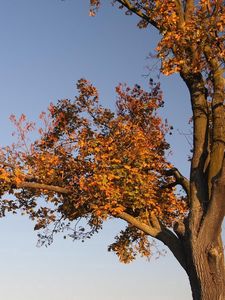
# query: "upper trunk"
202, 241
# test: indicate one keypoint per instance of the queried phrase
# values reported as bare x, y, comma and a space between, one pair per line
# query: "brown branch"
216, 210
180, 179
198, 187
179, 228
34, 185
189, 8
180, 12
174, 244
218, 117
137, 12
148, 229
156, 230
216, 174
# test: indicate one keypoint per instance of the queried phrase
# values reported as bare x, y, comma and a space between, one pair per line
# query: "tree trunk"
206, 270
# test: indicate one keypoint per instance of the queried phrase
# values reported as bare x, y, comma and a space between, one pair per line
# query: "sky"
46, 46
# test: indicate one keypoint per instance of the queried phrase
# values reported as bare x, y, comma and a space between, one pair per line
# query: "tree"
90, 163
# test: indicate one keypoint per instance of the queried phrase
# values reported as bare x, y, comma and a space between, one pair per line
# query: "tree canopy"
92, 163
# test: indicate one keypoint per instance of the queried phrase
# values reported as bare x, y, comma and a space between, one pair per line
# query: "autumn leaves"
93, 163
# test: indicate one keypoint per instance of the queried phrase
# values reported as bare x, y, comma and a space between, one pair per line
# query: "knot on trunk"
214, 252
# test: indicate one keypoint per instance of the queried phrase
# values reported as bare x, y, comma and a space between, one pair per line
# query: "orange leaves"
183, 47
122, 157
129, 243
113, 162
108, 162
94, 7
4, 175
185, 34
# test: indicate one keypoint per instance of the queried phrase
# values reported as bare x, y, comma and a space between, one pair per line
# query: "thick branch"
137, 12
189, 8
216, 211
157, 231
196, 86
218, 117
180, 12
149, 230
174, 244
154, 229
198, 187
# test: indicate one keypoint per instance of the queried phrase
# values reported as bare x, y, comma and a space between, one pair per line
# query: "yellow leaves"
118, 210
82, 183
112, 176
82, 143
19, 176
92, 13
50, 172
127, 167
116, 160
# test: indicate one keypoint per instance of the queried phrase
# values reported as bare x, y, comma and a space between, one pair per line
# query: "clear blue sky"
46, 46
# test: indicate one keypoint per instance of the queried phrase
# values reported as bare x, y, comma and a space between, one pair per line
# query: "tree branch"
154, 229
159, 232
198, 192
137, 12
34, 185
180, 179
180, 12
218, 117
149, 230
189, 8
174, 244
216, 210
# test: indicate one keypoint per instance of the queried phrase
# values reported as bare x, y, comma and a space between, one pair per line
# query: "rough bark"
202, 241
205, 268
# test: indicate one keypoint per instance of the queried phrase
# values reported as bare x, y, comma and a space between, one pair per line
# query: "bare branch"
149, 230
180, 179
34, 185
